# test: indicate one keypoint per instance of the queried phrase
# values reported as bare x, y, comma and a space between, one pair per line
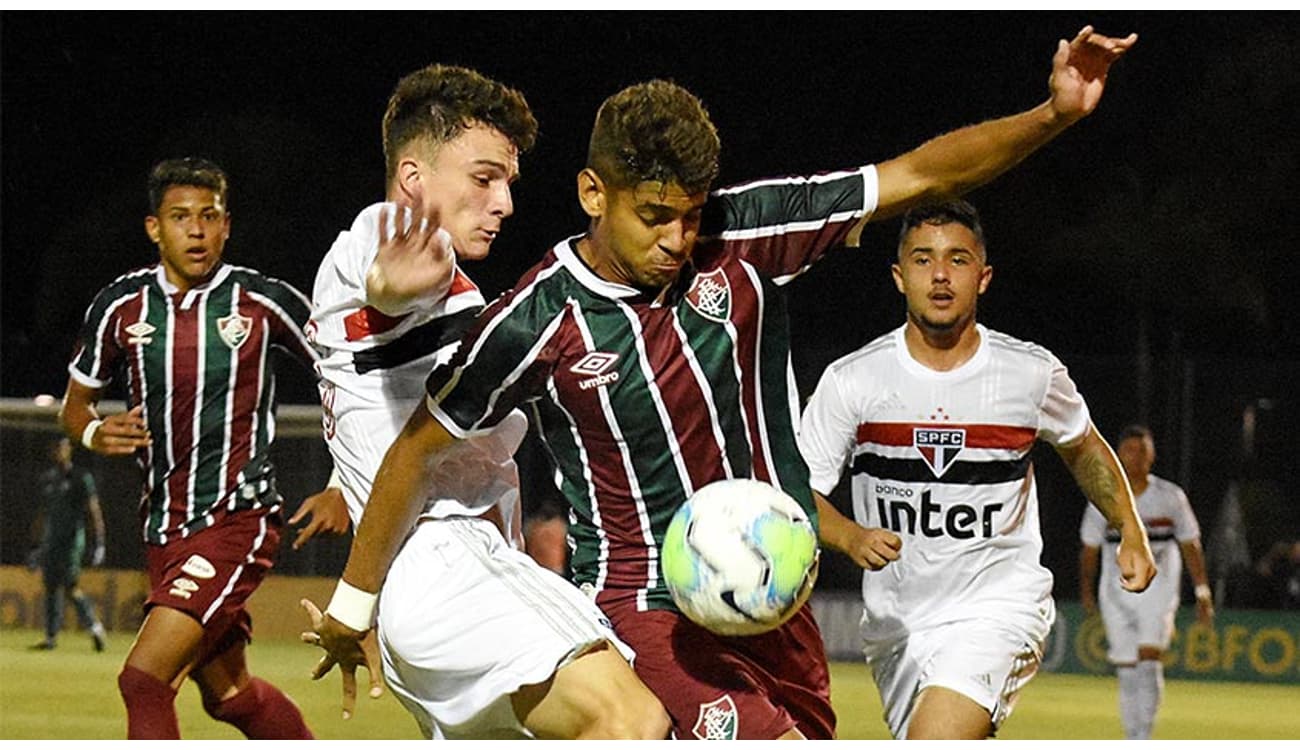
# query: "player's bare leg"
567, 706
1141, 687
163, 652
943, 714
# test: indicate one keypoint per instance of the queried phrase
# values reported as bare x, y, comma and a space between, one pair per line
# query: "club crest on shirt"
718, 720
710, 295
234, 329
938, 447
139, 332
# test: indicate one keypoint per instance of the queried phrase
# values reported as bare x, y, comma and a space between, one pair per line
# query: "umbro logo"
595, 364
139, 333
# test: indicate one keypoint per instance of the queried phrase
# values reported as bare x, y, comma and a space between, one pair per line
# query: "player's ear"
151, 229
410, 182
897, 272
986, 276
591, 193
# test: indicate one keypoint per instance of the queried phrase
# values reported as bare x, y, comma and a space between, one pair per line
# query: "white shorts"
358, 441
1134, 624
984, 660
465, 621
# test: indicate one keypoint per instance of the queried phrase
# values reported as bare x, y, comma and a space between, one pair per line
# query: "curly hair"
191, 171
437, 102
658, 132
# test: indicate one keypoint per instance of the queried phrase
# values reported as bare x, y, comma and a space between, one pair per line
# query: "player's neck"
941, 349
1139, 484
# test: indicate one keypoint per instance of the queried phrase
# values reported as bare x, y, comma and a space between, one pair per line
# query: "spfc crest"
710, 295
718, 720
939, 447
234, 329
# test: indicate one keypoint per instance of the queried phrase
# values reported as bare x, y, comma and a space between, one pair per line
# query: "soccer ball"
740, 557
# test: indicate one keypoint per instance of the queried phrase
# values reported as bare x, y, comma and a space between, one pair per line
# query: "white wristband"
88, 434
352, 606
1203, 591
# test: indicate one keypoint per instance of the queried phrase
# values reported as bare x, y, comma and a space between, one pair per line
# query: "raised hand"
1079, 71
348, 649
328, 514
414, 260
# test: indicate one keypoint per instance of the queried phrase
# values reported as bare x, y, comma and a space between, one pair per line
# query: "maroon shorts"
210, 575
753, 687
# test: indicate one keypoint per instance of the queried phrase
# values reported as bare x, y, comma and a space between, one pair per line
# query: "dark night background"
1147, 247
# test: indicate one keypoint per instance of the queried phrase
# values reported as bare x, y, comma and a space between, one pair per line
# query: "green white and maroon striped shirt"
199, 361
644, 399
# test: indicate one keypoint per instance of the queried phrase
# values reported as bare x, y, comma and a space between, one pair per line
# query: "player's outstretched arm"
872, 549
1100, 476
957, 162
394, 504
114, 435
414, 260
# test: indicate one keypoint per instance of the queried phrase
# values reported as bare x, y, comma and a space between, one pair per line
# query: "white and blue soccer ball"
740, 557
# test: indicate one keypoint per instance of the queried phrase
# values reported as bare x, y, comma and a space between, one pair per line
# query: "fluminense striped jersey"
643, 399
199, 361
942, 460
1169, 520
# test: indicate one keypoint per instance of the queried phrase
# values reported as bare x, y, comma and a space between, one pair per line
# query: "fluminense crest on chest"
234, 329
710, 295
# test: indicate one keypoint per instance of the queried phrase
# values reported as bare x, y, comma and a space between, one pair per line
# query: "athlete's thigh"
584, 694
944, 714
465, 621
1122, 632
711, 688
985, 661
167, 645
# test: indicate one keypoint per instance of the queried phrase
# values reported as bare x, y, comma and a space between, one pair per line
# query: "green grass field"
71, 693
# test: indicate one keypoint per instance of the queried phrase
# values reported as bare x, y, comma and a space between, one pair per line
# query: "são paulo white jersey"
1168, 517
373, 367
372, 358
942, 460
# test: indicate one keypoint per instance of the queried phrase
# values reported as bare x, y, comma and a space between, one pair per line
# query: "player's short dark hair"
190, 171
438, 102
654, 132
955, 211
1135, 430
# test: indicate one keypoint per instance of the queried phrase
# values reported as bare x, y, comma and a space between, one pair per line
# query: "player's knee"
138, 686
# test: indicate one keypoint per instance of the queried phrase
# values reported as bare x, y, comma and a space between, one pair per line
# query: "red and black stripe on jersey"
1016, 442
641, 401
208, 398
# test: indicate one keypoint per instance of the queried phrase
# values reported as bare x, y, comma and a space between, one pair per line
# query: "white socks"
1140, 689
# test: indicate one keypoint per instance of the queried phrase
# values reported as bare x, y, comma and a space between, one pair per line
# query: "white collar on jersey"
222, 272
585, 276
916, 368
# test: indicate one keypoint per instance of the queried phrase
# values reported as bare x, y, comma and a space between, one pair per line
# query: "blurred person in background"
1140, 626
68, 500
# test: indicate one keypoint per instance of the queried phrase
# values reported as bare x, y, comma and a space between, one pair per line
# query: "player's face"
466, 184
190, 229
645, 233
1137, 455
941, 271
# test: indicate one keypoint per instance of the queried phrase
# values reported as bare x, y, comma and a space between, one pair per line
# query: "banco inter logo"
939, 447
596, 365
